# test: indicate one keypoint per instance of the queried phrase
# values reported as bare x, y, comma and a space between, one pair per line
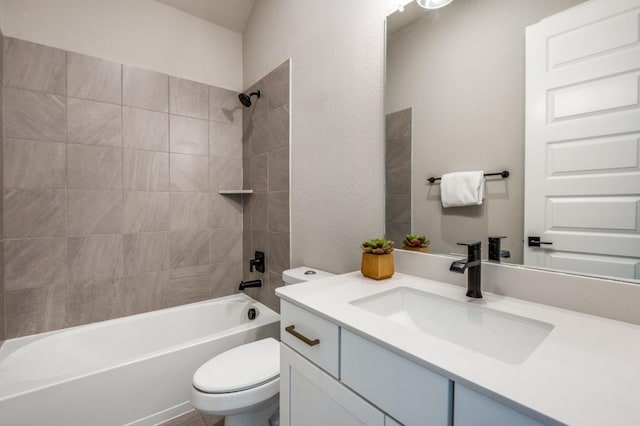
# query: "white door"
310, 397
582, 155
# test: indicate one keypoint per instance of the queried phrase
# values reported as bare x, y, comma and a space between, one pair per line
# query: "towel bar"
504, 174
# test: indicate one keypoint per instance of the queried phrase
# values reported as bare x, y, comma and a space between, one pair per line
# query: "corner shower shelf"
235, 191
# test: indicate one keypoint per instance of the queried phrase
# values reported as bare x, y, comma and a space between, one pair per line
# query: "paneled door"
582, 154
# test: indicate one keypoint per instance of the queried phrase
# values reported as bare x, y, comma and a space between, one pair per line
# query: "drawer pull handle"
291, 330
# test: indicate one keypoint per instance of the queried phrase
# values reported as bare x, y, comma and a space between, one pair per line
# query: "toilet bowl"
242, 383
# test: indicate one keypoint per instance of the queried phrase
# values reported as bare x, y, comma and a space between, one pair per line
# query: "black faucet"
473, 264
495, 254
258, 262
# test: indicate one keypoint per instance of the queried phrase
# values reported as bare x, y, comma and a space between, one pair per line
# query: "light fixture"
433, 4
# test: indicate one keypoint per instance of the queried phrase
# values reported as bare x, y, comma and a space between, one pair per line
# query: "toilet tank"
303, 274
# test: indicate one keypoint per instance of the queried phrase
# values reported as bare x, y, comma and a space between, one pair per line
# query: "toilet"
243, 383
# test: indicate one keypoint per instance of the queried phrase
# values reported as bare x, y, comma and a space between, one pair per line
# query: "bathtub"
134, 370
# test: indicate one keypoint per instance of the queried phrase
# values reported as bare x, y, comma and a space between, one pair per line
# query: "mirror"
455, 101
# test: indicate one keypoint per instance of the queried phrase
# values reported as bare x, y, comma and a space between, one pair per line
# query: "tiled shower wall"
110, 189
266, 171
398, 175
1, 185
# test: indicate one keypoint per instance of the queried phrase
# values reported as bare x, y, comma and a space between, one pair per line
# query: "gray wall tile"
145, 89
34, 66
398, 179
224, 278
266, 141
146, 211
92, 301
94, 167
278, 211
224, 106
278, 248
94, 123
225, 173
34, 213
268, 294
225, 211
258, 212
34, 310
34, 164
145, 292
34, 115
259, 167
398, 124
93, 78
226, 245
34, 263
398, 208
146, 170
188, 98
278, 128
189, 173
189, 210
187, 285
277, 86
145, 252
188, 248
188, 135
94, 212
95, 256
225, 140
279, 170
145, 129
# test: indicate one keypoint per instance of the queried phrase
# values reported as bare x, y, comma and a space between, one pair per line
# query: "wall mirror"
456, 96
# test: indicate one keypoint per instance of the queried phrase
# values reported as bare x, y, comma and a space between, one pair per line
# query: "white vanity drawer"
474, 409
311, 336
412, 394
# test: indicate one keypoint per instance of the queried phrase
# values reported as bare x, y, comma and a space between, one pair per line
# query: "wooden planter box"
377, 266
420, 249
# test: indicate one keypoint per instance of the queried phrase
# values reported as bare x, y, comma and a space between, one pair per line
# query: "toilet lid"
240, 368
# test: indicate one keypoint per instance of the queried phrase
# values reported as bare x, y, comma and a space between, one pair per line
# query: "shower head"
246, 99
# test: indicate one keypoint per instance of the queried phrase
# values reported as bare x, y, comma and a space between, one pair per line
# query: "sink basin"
506, 337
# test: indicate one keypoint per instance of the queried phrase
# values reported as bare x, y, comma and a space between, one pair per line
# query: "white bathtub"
133, 370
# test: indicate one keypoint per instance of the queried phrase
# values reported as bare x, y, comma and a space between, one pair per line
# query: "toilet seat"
241, 368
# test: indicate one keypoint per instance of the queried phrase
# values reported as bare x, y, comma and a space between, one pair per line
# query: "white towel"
462, 189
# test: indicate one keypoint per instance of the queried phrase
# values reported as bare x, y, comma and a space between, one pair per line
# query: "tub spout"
250, 284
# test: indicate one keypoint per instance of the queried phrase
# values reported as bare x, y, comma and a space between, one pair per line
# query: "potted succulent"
377, 259
415, 242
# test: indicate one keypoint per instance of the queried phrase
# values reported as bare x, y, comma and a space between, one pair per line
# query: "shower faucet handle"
258, 262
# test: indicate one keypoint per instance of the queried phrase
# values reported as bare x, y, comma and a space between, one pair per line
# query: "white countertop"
586, 372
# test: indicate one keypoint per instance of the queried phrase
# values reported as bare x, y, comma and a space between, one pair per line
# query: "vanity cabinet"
346, 379
474, 409
409, 392
311, 397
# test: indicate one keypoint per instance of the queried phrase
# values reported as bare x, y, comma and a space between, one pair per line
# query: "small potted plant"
377, 259
415, 242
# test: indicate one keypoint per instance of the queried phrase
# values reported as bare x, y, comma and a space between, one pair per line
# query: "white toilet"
242, 383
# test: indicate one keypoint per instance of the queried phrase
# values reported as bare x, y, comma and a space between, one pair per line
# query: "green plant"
377, 246
413, 240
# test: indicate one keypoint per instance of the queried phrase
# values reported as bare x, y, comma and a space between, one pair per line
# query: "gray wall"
337, 122
266, 171
110, 187
461, 69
